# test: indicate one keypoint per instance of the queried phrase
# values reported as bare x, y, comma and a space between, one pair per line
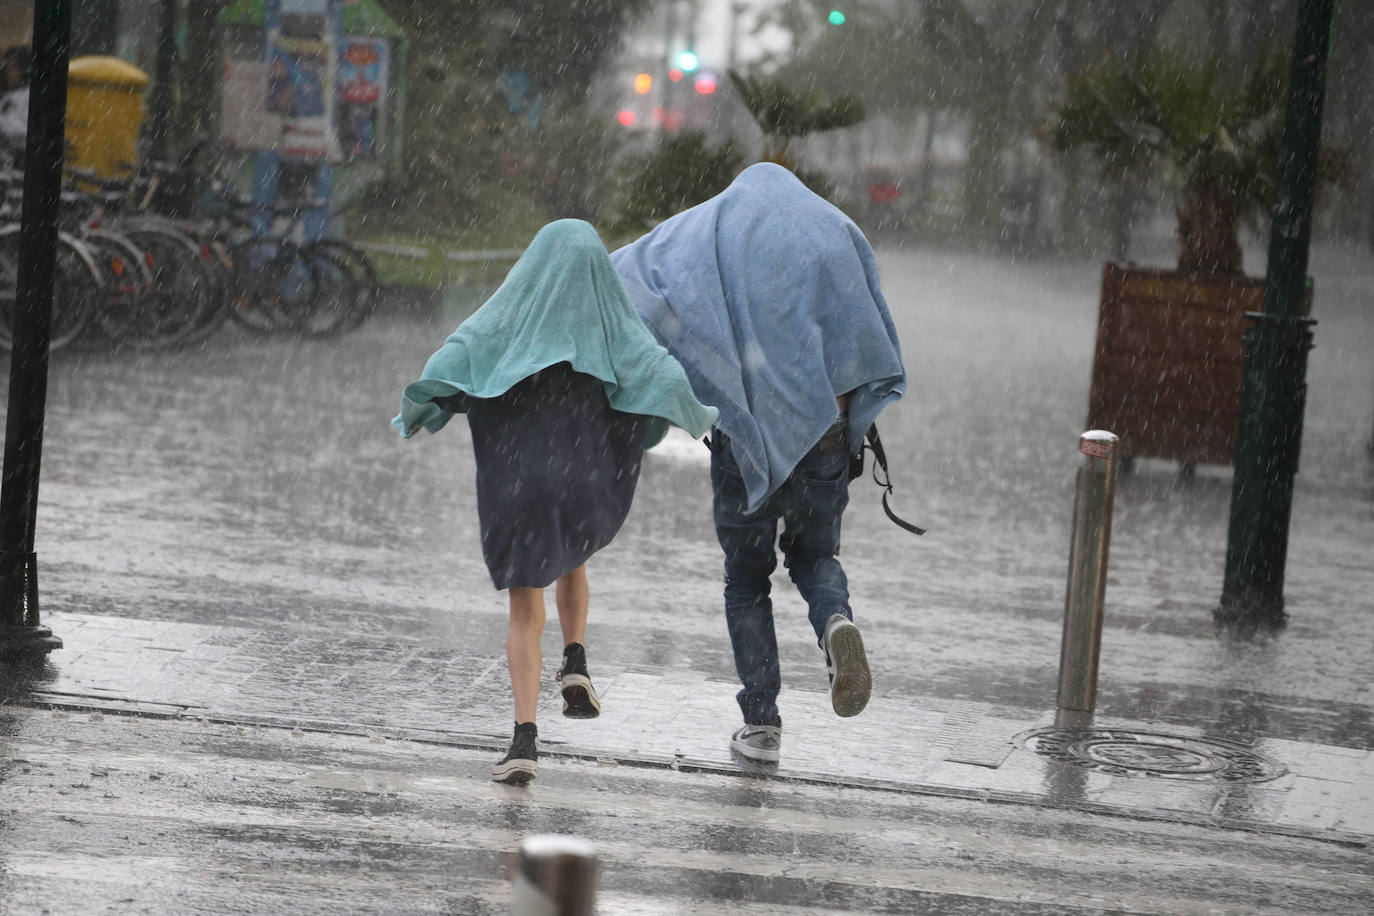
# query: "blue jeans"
809, 504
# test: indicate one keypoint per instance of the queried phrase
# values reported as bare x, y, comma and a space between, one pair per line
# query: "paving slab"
681, 720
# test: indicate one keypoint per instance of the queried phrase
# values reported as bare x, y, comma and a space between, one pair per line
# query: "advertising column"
300, 54
364, 64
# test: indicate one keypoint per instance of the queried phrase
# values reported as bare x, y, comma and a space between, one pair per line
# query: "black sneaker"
519, 764
579, 696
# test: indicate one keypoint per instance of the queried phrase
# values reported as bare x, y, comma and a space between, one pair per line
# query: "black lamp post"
21, 635
1269, 435
160, 110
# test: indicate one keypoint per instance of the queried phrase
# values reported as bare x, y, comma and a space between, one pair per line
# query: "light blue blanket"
561, 302
769, 297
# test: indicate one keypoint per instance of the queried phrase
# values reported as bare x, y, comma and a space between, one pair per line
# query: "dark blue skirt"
556, 473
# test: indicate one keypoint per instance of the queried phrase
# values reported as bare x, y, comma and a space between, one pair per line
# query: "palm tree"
783, 113
1212, 132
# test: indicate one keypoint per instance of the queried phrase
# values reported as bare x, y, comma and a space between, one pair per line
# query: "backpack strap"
856, 470
875, 444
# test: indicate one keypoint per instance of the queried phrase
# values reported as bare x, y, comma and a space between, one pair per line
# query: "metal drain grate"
1127, 753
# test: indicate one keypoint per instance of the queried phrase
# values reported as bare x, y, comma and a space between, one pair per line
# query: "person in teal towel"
564, 388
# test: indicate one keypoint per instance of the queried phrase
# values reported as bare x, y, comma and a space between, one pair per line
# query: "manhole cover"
1127, 753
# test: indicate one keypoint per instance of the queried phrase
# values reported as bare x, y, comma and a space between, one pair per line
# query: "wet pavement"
283, 680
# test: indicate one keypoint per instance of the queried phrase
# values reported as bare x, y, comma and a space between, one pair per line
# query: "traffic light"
687, 61
836, 17
643, 83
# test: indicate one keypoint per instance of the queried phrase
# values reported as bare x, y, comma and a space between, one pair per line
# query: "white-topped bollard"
1087, 588
556, 876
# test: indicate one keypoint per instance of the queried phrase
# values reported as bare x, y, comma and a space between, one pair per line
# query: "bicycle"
270, 280
78, 285
183, 292
94, 272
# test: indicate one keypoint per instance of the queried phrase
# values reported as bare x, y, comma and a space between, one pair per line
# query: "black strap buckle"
856, 469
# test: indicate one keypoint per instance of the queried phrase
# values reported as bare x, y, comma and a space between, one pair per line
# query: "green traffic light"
836, 17
688, 61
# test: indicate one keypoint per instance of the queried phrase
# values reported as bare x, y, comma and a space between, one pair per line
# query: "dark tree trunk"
1219, 27
199, 89
983, 178
926, 182
1209, 230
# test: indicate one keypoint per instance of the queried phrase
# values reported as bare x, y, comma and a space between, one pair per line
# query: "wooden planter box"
1169, 362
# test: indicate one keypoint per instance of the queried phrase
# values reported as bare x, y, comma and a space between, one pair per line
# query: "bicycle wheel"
338, 296
128, 286
216, 269
219, 264
273, 286
364, 276
77, 287
182, 289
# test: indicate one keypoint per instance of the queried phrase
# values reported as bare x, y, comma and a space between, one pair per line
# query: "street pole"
670, 63
1085, 597
556, 876
736, 10
160, 113
21, 635
1274, 393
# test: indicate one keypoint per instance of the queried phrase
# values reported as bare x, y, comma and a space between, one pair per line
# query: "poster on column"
363, 68
302, 40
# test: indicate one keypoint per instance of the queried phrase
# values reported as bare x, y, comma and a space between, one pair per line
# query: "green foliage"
571, 149
783, 112
469, 159
1211, 130
682, 172
1195, 121
876, 57
561, 46
899, 58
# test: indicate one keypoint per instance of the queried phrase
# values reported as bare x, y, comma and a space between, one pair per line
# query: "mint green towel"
561, 302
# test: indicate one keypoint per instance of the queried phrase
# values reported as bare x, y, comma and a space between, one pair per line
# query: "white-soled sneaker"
521, 761
847, 664
758, 742
579, 696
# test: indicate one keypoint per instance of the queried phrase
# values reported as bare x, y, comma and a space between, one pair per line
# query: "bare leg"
579, 697
522, 649
572, 596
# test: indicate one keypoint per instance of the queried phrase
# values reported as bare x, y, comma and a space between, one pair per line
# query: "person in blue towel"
769, 297
564, 388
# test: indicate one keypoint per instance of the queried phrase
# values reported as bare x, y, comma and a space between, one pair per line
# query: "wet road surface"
245, 512
205, 817
265, 470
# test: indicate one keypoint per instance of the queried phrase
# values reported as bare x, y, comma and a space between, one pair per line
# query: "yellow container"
104, 114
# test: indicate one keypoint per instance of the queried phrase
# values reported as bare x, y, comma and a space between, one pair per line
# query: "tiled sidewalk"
678, 719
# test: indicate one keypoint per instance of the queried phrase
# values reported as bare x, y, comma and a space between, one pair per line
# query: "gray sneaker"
758, 742
847, 665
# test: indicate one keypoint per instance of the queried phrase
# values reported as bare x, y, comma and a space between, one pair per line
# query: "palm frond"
785, 112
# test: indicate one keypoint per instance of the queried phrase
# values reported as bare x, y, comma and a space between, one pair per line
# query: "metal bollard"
1092, 533
556, 877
